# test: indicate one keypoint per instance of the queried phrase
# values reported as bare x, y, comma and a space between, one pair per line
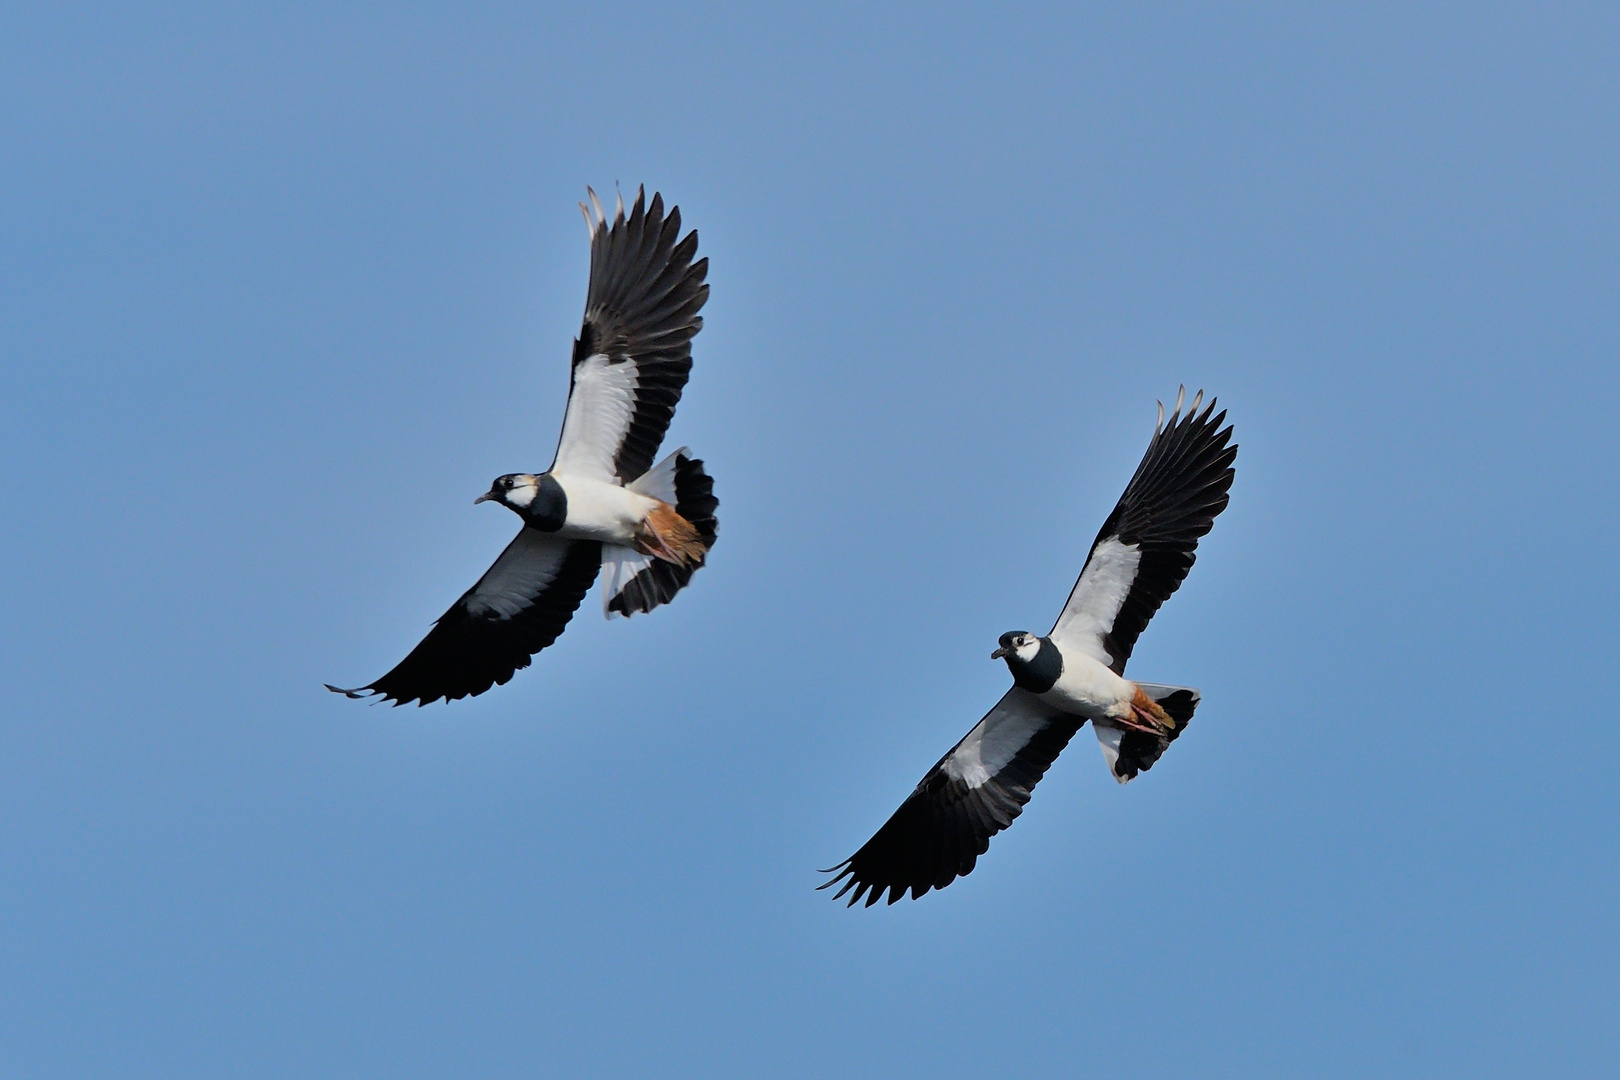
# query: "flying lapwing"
1073, 674
602, 505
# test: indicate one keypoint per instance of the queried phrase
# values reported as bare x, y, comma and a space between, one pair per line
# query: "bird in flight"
603, 505
1073, 674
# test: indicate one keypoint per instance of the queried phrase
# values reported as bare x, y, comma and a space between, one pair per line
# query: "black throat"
1039, 674
549, 510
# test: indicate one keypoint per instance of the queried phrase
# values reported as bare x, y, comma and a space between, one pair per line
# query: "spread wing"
1145, 548
635, 348
974, 792
518, 607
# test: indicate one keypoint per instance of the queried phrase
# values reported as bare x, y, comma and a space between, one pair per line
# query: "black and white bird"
603, 506
1073, 674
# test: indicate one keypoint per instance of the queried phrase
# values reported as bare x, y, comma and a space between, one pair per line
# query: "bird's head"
539, 500
516, 490
1017, 645
1035, 663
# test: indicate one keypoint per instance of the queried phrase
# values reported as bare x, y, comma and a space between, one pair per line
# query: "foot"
1129, 723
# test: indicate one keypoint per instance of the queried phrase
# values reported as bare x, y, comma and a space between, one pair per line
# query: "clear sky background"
283, 287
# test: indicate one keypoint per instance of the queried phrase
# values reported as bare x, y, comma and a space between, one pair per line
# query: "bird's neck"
548, 510
1040, 672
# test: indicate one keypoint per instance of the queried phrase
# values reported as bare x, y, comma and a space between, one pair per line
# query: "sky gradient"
283, 287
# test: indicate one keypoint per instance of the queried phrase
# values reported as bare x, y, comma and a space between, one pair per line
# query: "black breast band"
1040, 674
549, 510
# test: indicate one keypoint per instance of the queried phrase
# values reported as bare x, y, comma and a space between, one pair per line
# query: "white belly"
1090, 689
598, 510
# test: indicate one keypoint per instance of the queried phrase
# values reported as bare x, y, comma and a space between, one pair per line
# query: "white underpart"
525, 568
996, 740
620, 565
1097, 597
601, 510
599, 412
1089, 688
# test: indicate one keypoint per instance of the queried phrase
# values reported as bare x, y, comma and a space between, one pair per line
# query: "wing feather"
520, 605
1146, 547
634, 351
974, 792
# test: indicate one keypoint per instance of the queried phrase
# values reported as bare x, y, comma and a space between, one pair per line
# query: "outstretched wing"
974, 792
635, 348
518, 607
1146, 546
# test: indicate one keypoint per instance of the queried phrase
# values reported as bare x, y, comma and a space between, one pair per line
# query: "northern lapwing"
603, 506
1073, 674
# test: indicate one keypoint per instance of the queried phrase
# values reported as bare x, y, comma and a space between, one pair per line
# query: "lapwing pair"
604, 507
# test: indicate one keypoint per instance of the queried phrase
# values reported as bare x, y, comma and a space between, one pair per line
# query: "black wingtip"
870, 892
833, 870
358, 693
845, 874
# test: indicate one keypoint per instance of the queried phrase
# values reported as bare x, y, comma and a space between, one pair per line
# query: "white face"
1019, 643
522, 491
516, 490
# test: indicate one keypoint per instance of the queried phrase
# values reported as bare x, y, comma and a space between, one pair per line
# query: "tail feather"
1129, 752
659, 481
634, 582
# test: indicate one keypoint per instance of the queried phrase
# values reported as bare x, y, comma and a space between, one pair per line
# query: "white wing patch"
1097, 598
600, 408
620, 565
529, 564
1017, 718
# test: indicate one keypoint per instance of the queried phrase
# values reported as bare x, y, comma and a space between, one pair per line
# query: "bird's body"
598, 510
1089, 690
603, 506
585, 508
1072, 676
1075, 682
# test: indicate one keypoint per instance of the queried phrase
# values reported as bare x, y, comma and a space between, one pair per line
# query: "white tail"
1130, 752
633, 582
620, 565
659, 481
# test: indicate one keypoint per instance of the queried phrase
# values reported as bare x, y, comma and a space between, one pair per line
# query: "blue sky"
283, 287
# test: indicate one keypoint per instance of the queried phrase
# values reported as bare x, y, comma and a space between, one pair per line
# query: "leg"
1130, 724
